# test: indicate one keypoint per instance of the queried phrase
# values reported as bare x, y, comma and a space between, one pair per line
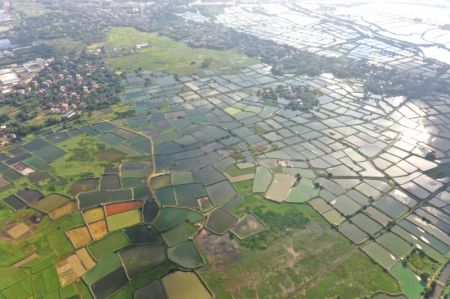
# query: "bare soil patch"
66, 209
18, 230
69, 270
80, 236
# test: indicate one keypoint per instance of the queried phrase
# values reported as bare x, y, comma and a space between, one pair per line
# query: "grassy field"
45, 242
113, 112
126, 37
47, 239
244, 187
76, 290
122, 220
39, 118
354, 277
409, 282
303, 257
420, 263
23, 283
165, 54
233, 170
80, 159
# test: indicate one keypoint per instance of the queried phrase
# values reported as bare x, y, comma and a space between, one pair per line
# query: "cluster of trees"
56, 23
299, 97
425, 277
86, 150
22, 129
206, 63
88, 21
278, 225
26, 113
4, 118
22, 55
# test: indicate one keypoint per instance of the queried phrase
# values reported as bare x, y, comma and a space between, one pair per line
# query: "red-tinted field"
122, 207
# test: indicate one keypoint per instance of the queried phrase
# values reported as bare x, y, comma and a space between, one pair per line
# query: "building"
5, 19
35, 66
9, 78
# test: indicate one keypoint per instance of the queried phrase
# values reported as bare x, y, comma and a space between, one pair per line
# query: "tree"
424, 276
206, 63
4, 118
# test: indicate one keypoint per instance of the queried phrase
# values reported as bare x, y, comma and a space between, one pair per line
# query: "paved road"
441, 282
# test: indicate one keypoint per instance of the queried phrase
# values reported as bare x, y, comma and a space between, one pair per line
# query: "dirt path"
320, 274
441, 282
240, 178
26, 260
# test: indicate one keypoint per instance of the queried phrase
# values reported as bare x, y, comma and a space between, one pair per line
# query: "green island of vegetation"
129, 49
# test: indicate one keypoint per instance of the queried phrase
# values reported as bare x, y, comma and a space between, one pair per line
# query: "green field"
395, 244
379, 255
409, 282
301, 254
170, 217
178, 234
167, 55
233, 170
80, 159
110, 243
45, 242
50, 203
354, 278
244, 187
39, 278
48, 240
21, 283
421, 263
122, 220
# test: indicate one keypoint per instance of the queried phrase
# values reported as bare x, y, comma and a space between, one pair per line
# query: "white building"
9, 78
